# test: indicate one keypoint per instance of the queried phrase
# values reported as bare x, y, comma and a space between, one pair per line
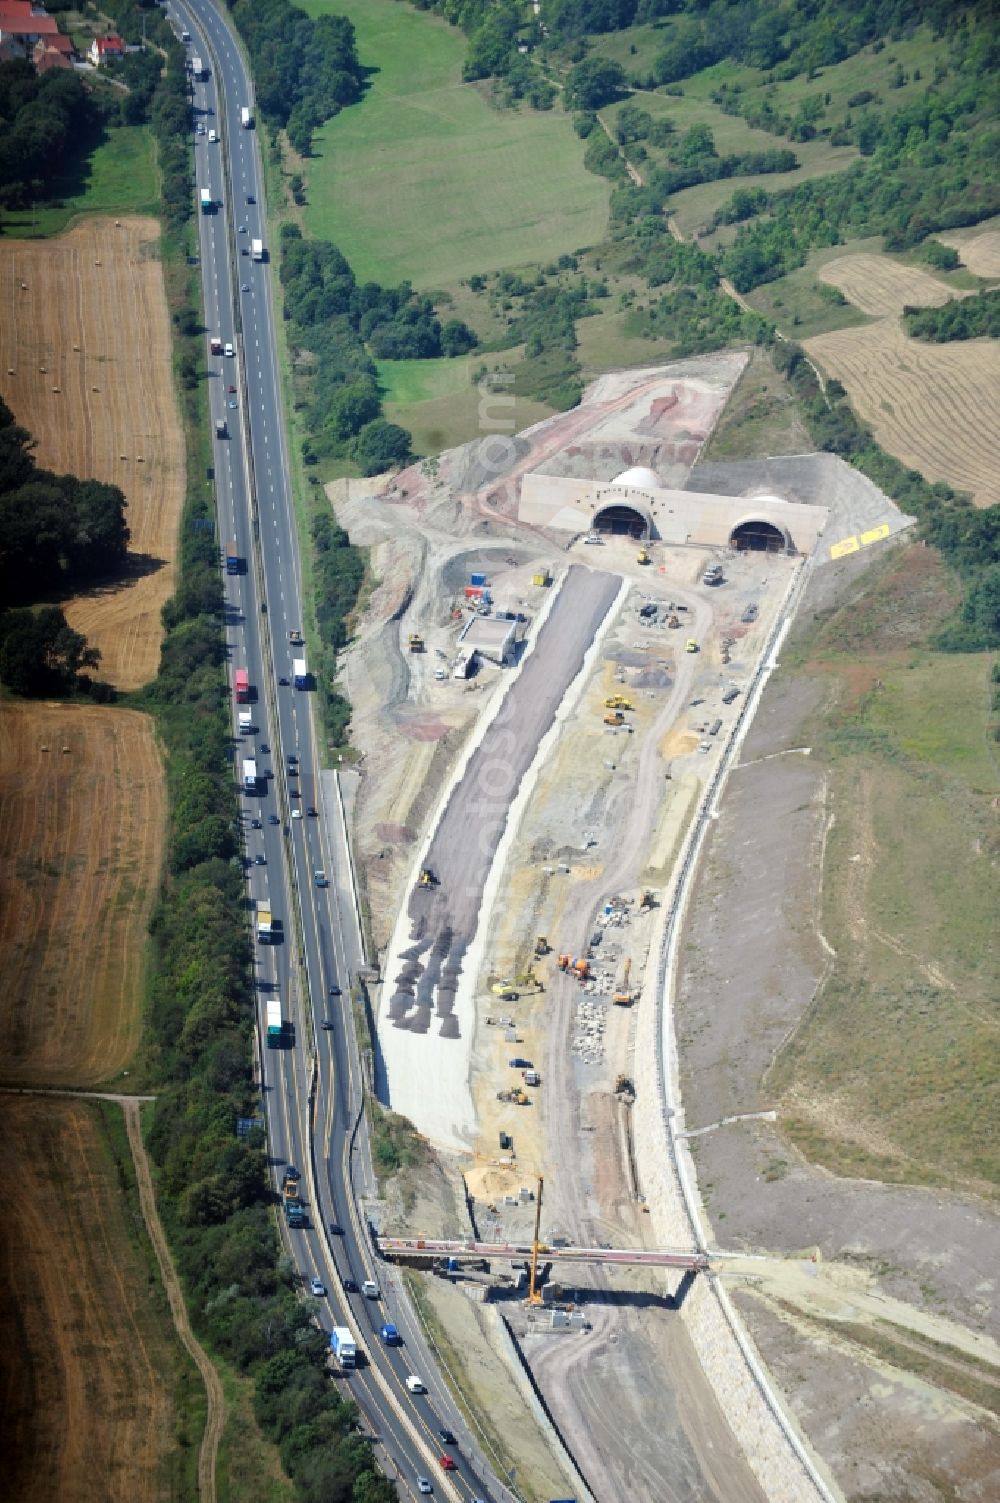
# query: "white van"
414, 1384
213, 135
369, 1289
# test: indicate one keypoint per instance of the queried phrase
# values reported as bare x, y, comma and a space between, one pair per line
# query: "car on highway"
283, 680
415, 1384
265, 750
335, 991
336, 1230
423, 1486
244, 286
273, 819
291, 759
231, 389
256, 824
251, 199
327, 1024
242, 230
447, 1438
317, 1287
260, 860
311, 812
447, 1463
233, 406
229, 352
350, 1286
296, 813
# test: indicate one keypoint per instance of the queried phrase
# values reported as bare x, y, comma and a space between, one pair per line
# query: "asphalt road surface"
311, 969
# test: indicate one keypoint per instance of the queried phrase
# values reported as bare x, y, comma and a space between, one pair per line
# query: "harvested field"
879, 285
85, 357
978, 248
931, 405
92, 1373
81, 842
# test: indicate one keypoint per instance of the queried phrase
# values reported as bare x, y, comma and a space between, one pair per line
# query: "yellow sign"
876, 535
841, 550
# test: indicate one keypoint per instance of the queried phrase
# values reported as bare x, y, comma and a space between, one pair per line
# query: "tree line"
305, 70
158, 95
975, 317
345, 326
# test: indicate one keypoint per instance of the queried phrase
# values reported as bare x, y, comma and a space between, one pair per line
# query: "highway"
316, 1076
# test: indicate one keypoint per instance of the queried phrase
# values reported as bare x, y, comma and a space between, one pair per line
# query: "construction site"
560, 655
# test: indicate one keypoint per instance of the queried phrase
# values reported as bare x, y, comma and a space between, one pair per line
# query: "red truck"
215, 345
242, 686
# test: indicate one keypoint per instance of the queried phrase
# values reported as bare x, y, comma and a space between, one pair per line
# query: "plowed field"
931, 405
89, 1362
878, 285
85, 364
81, 841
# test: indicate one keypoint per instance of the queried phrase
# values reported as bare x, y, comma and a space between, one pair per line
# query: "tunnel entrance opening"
622, 522
756, 536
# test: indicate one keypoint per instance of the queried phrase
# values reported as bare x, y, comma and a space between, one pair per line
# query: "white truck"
249, 775
205, 199
246, 118
198, 69
343, 1347
257, 250
265, 926
246, 723
300, 673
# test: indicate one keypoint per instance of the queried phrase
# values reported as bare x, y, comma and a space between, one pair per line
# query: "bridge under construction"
426, 1249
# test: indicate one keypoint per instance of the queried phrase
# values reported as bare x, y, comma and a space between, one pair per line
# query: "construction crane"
534, 1298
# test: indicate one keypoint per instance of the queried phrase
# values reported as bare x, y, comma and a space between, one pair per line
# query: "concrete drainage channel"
775, 1450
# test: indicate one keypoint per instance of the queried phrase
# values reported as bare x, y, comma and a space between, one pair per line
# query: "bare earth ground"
81, 843
597, 823
90, 1364
85, 365
931, 405
753, 957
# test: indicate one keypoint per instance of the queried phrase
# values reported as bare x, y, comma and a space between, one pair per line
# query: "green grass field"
404, 381
119, 177
899, 1057
426, 180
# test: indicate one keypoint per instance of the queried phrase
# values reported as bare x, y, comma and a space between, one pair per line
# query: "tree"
594, 82
457, 338
381, 446
41, 654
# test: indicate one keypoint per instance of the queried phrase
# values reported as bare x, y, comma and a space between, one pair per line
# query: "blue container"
477, 579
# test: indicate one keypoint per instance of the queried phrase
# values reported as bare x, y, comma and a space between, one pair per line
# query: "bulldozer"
618, 702
505, 990
427, 878
642, 557
415, 642
614, 717
673, 622
542, 946
515, 1095
646, 900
